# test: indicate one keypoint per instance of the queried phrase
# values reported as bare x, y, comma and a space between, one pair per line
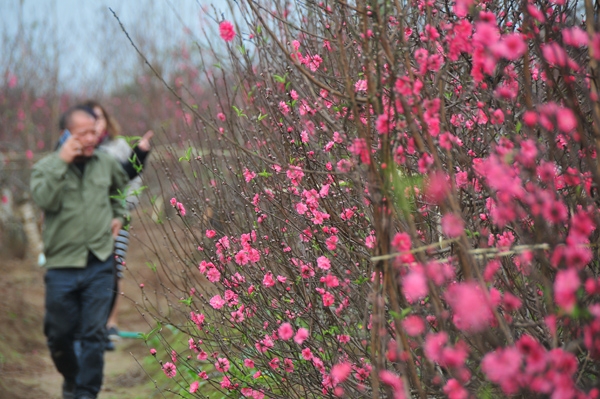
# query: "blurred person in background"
76, 186
133, 161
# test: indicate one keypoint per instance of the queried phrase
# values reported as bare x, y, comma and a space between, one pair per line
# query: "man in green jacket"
78, 189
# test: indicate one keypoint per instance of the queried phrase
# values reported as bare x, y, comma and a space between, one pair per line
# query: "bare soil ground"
26, 370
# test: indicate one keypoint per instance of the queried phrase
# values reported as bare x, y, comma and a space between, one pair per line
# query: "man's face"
83, 129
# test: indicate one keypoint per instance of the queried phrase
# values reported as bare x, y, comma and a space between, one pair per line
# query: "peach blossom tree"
385, 199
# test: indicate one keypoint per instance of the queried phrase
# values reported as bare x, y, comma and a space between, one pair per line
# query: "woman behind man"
132, 161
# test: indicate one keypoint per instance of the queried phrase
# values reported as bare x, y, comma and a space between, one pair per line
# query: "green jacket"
77, 208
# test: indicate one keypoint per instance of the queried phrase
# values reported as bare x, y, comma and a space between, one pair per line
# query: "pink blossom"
360, 85
295, 174
536, 13
222, 365
340, 372
226, 31
434, 345
401, 242
226, 383
242, 258
169, 369
528, 153
331, 242
414, 285
574, 36
249, 363
330, 281
274, 363
486, 33
194, 386
566, 120
394, 381
437, 187
323, 262
383, 124
461, 7
12, 80
413, 325
511, 46
511, 302
285, 331
213, 275
452, 225
307, 354
249, 175
455, 390
268, 280
314, 62
359, 148
343, 338
221, 116
210, 233
217, 302
370, 241
328, 299
301, 335
344, 165
264, 344
555, 54
284, 108
347, 214
471, 309
503, 367
566, 284
301, 208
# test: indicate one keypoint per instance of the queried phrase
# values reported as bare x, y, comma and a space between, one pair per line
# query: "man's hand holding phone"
70, 149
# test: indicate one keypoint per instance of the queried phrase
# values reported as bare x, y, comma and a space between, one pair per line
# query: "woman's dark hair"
112, 126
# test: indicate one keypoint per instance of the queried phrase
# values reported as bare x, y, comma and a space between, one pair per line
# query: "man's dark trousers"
77, 305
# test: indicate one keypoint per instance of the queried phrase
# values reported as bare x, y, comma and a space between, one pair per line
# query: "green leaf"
146, 337
138, 191
361, 280
402, 314
187, 301
238, 111
261, 116
130, 139
280, 79
265, 174
151, 265
187, 156
518, 126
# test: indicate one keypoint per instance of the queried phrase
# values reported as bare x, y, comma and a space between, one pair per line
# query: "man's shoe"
68, 390
113, 334
109, 346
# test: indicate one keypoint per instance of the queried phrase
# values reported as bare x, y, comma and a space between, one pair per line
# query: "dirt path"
26, 370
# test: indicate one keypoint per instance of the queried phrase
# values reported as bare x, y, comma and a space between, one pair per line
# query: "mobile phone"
64, 136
